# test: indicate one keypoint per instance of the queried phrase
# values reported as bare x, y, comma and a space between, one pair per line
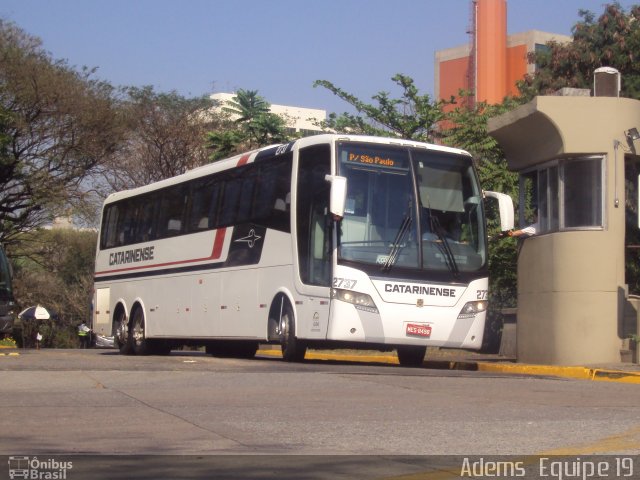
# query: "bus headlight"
361, 301
471, 309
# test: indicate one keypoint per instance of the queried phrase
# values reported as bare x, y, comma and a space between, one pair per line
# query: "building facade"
298, 119
492, 62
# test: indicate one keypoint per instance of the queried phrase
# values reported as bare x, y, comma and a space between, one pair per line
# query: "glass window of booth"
565, 194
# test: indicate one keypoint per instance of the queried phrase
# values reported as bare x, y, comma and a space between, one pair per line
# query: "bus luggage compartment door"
102, 317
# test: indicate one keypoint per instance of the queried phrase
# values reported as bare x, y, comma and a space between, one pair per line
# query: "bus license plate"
418, 330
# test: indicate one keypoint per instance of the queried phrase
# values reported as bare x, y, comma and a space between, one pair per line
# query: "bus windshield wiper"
450, 259
392, 258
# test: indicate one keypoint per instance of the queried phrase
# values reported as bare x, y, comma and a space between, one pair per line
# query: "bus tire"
293, 349
140, 344
411, 356
121, 335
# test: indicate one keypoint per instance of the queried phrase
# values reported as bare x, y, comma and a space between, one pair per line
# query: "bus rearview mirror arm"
505, 206
338, 196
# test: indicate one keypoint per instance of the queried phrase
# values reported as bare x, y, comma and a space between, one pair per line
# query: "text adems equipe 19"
554, 468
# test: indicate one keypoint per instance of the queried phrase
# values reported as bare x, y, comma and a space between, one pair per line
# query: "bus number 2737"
345, 283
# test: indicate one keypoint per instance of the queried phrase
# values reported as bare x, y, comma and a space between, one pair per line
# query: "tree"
54, 268
611, 41
250, 125
165, 136
56, 125
412, 116
467, 129
247, 105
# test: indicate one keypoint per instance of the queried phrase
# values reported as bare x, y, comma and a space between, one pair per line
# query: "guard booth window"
566, 194
632, 224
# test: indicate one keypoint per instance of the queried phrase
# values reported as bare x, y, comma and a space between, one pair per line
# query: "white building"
298, 119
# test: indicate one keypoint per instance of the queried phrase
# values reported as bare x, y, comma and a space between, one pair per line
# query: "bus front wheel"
293, 349
411, 356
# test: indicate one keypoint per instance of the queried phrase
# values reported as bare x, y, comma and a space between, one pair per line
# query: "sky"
277, 47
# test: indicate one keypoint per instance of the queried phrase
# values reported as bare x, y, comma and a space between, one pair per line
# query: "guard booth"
577, 157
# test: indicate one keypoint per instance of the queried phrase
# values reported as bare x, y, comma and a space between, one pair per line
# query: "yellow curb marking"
577, 373
626, 441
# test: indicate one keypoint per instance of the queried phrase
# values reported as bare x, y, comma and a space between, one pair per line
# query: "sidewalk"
450, 359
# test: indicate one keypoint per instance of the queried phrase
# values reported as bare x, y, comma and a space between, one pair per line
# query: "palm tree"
247, 105
254, 126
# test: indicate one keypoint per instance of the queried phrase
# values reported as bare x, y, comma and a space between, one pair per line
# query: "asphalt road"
265, 411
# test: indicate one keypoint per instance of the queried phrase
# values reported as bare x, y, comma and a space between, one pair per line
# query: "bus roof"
248, 157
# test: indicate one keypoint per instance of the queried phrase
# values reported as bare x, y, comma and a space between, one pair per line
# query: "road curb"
573, 372
9, 354
579, 373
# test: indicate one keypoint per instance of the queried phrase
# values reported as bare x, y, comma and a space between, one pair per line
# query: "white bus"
328, 241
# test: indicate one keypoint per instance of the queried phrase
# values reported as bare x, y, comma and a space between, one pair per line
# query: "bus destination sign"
366, 159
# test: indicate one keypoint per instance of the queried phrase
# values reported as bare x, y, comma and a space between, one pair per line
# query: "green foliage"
54, 268
412, 116
247, 105
467, 129
164, 137
613, 40
224, 143
252, 126
7, 342
57, 124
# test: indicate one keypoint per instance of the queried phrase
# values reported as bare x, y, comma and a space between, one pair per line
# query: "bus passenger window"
204, 201
172, 206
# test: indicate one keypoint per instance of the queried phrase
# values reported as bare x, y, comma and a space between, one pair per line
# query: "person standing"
83, 335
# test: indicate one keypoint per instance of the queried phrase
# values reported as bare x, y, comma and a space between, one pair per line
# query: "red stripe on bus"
244, 159
218, 243
216, 253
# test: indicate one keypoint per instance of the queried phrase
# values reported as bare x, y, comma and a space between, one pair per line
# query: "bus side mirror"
505, 206
338, 197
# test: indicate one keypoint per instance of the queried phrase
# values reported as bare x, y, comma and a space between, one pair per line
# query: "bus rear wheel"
140, 344
293, 349
411, 356
121, 333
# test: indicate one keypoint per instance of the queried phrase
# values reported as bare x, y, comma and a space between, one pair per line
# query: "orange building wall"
453, 77
516, 67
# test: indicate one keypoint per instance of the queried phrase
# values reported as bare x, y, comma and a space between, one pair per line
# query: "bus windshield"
411, 208
5, 278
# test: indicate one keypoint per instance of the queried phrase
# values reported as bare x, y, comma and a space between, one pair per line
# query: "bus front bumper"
405, 325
